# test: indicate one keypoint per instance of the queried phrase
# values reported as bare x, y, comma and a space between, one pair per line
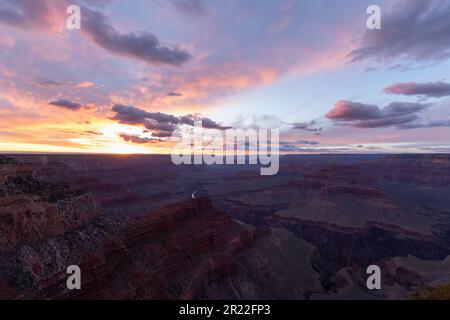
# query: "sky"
139, 69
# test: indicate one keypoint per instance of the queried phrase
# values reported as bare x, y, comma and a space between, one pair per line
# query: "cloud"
430, 89
161, 124
257, 121
174, 94
47, 14
67, 104
429, 124
289, 148
403, 108
306, 126
416, 31
154, 125
95, 133
300, 142
135, 116
140, 45
48, 83
26, 14
6, 104
98, 3
206, 122
349, 111
386, 122
193, 8
359, 115
436, 149
298, 146
162, 134
294, 148
307, 142
137, 139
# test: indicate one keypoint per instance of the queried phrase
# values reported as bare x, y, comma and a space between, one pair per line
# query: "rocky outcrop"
32, 210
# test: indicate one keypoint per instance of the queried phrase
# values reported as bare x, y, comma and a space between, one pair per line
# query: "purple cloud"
67, 104
194, 8
24, 14
349, 111
162, 134
174, 94
416, 31
429, 124
308, 142
132, 115
430, 89
359, 115
306, 126
161, 124
141, 45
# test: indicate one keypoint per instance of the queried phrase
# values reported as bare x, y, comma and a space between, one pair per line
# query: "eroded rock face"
188, 250
32, 210
184, 251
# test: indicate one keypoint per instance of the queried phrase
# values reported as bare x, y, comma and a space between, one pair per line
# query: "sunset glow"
292, 65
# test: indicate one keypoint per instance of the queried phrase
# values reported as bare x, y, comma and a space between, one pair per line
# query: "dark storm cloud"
141, 45
416, 30
67, 104
430, 89
359, 115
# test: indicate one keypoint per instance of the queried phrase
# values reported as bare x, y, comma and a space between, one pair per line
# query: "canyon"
309, 232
